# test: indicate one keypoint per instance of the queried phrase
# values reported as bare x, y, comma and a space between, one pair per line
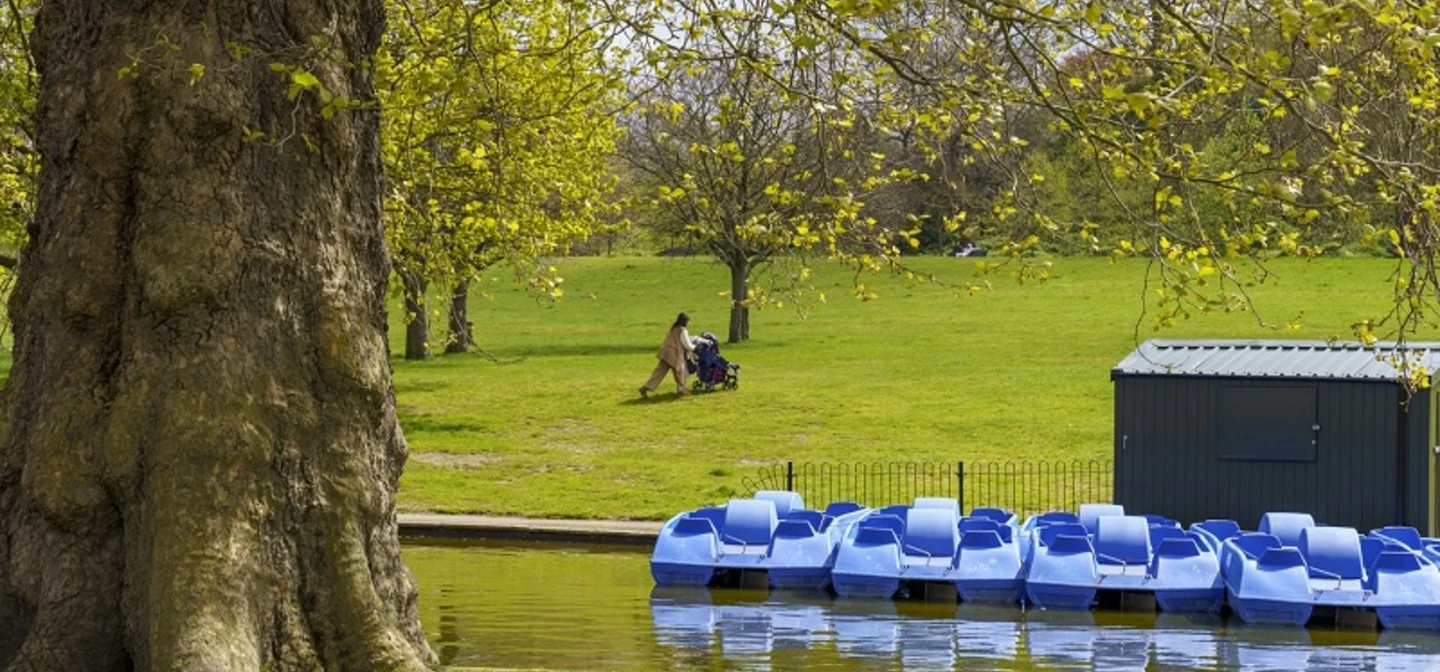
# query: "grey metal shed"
1232, 429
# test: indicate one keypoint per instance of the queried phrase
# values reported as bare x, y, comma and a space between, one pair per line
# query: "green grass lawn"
920, 374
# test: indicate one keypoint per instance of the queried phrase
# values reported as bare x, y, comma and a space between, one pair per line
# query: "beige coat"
673, 350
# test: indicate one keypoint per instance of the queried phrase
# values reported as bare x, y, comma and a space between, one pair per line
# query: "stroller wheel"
697, 385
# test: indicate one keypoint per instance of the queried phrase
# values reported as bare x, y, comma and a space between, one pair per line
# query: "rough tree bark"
417, 322
198, 444
739, 312
462, 333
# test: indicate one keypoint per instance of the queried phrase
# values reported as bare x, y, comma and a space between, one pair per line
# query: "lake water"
583, 608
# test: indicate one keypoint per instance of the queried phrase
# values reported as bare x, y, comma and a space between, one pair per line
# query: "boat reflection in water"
760, 630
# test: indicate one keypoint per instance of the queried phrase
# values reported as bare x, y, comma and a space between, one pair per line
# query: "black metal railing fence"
1023, 487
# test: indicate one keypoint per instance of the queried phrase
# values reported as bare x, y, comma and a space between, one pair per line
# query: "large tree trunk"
199, 451
739, 309
417, 323
462, 334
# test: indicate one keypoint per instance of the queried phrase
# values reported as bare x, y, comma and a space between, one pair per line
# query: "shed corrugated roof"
1274, 359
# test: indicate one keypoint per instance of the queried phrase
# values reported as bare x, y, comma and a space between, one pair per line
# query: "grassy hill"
923, 373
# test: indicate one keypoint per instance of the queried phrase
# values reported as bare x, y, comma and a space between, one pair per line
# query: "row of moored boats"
1285, 572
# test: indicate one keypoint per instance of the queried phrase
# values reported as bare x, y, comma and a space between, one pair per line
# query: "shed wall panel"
1168, 457
1417, 463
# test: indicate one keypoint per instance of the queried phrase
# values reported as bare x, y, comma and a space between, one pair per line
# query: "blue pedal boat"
1281, 574
988, 566
1214, 532
1071, 563
1037, 521
1409, 537
771, 533
1260, 585
931, 543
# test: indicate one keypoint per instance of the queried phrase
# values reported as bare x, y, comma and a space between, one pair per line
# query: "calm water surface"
575, 608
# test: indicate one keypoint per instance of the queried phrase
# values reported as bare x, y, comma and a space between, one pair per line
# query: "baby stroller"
710, 368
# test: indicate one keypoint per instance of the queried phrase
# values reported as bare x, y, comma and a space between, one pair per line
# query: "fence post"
790, 476
960, 476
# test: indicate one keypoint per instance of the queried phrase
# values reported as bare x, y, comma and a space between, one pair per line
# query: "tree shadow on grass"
561, 349
426, 422
414, 386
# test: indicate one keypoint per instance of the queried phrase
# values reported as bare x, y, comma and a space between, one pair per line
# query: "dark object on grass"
968, 250
710, 368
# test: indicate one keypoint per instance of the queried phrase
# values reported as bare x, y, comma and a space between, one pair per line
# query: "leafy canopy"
19, 161
498, 119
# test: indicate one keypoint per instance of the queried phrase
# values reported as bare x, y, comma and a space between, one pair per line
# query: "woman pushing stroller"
673, 352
